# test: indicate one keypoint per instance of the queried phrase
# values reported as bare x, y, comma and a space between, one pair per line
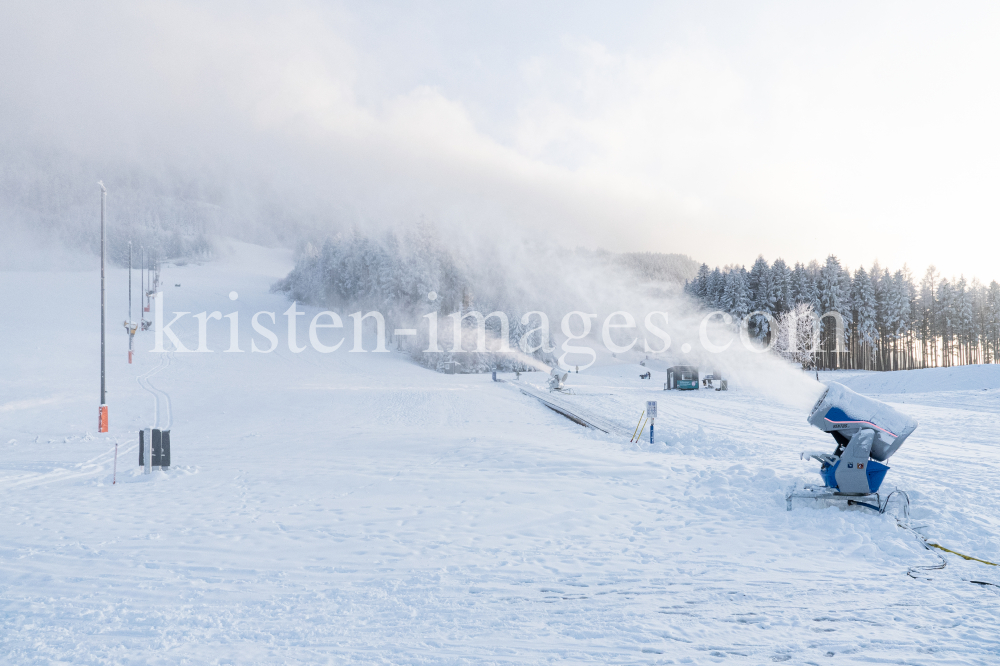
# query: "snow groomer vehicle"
867, 433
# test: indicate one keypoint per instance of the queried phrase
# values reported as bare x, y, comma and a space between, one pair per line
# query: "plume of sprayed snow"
515, 274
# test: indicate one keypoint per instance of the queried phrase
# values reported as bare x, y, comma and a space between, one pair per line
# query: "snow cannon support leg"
850, 473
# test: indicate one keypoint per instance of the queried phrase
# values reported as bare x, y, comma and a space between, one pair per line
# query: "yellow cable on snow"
955, 552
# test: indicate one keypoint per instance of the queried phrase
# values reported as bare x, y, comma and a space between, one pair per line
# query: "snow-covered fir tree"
889, 322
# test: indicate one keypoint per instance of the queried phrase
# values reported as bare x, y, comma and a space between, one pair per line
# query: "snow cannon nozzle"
867, 431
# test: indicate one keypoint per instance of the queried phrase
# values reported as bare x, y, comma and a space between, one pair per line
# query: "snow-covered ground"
334, 508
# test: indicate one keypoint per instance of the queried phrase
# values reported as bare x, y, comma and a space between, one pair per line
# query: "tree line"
409, 274
890, 322
403, 277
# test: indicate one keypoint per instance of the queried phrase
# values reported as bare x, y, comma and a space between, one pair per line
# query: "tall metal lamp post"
130, 326
102, 424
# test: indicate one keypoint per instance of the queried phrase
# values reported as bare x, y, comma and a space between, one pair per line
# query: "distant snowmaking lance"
868, 432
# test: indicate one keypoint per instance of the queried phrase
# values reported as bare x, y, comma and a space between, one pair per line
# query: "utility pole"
142, 278
130, 325
145, 274
103, 414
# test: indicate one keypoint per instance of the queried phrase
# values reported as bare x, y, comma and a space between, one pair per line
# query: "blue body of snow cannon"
875, 471
867, 431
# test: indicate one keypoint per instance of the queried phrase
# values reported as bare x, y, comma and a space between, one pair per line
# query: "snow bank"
960, 378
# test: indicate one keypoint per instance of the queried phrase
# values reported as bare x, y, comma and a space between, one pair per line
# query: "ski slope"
357, 508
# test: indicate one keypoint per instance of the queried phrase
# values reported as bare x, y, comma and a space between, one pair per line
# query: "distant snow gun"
867, 432
557, 381
130, 328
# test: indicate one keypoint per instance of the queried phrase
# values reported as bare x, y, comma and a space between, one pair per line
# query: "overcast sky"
720, 130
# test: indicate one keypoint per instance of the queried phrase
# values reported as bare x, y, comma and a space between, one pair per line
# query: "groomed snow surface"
356, 508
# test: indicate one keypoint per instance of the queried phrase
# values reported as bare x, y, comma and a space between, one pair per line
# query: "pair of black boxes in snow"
159, 447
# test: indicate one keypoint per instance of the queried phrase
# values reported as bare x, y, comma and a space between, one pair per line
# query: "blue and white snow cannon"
867, 431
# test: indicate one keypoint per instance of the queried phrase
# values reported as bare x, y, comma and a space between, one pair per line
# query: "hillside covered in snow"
357, 507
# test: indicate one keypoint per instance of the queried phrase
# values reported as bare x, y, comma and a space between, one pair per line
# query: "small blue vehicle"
682, 378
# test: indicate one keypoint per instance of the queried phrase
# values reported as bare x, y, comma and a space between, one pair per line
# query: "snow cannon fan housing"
867, 432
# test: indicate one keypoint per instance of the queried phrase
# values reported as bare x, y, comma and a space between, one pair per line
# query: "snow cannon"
557, 381
868, 432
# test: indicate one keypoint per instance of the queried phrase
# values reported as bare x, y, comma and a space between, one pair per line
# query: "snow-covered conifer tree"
736, 298
804, 286
796, 335
993, 321
963, 302
716, 289
946, 321
762, 297
782, 278
701, 283
866, 331
830, 294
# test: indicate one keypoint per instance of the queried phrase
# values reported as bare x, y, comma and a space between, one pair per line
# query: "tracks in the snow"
162, 415
571, 412
96, 465
162, 418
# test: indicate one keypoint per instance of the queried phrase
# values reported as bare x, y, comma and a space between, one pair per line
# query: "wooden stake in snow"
636, 432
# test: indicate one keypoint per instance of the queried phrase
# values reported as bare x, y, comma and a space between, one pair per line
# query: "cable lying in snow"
929, 545
962, 555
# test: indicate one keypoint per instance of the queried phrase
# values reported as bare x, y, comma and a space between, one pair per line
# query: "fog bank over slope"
718, 131
50, 209
203, 120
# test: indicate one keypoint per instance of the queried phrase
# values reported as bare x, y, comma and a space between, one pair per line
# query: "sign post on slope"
651, 410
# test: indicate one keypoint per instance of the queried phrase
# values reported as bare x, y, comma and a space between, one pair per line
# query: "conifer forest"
890, 321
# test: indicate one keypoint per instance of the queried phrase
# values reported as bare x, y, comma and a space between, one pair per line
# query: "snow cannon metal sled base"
870, 500
557, 382
867, 433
